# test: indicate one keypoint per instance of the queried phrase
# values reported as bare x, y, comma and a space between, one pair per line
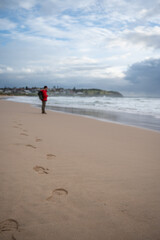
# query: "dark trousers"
43, 106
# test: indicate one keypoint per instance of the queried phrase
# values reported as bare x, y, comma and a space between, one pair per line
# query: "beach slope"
67, 177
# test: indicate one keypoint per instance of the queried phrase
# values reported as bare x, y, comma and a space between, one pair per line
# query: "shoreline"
147, 122
127, 119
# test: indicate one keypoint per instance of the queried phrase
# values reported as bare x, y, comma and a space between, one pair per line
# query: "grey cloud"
142, 38
21, 79
154, 11
8, 3
145, 77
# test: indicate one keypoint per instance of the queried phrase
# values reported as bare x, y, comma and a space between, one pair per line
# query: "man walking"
44, 92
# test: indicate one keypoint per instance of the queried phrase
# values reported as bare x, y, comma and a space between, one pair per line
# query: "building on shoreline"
26, 91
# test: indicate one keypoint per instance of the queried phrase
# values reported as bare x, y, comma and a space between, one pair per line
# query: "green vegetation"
97, 92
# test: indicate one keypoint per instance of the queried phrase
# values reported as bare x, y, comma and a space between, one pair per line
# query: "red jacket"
44, 95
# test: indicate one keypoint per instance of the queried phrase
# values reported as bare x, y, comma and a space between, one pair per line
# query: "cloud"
89, 43
5, 69
140, 79
51, 7
16, 4
145, 36
145, 77
69, 72
152, 13
6, 24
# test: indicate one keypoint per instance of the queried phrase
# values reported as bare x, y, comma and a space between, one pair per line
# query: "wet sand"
129, 119
67, 177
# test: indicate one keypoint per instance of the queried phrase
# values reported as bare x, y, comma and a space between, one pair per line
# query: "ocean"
133, 111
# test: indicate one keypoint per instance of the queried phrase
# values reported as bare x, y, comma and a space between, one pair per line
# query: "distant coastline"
59, 92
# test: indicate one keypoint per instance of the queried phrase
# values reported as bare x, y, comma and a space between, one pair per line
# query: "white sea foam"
141, 106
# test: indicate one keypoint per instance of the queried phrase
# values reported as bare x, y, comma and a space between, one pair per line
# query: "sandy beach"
67, 177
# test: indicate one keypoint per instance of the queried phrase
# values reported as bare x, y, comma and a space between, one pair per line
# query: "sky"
111, 45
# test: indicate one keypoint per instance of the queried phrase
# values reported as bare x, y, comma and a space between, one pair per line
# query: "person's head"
45, 87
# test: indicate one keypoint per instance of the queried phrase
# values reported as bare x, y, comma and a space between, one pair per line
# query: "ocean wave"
140, 106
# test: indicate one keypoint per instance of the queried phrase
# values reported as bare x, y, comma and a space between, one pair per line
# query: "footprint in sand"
13, 238
31, 146
18, 126
15, 127
25, 131
50, 156
41, 170
38, 140
9, 225
57, 195
24, 134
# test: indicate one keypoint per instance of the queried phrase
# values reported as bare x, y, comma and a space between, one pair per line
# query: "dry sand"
65, 177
